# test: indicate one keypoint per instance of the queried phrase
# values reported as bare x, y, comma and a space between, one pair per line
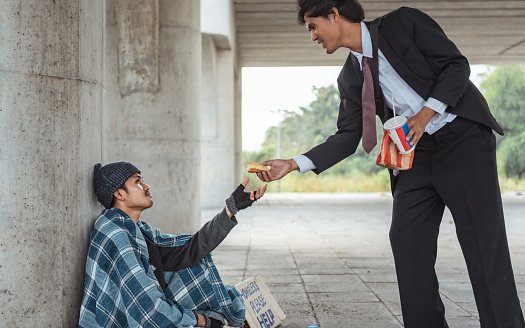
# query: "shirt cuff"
304, 163
436, 105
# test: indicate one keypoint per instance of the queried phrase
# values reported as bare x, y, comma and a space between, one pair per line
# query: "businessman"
423, 75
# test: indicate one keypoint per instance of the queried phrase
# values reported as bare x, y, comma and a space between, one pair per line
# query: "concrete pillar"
50, 114
152, 105
218, 107
239, 167
217, 124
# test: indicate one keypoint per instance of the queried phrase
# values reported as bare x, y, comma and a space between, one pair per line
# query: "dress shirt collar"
366, 44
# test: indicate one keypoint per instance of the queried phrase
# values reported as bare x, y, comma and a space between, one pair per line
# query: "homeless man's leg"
200, 288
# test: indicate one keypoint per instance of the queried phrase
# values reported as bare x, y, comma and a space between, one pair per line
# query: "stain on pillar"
138, 44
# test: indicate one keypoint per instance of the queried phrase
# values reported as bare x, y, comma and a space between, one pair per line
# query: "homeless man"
137, 276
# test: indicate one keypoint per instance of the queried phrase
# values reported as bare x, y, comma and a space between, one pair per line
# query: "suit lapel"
357, 68
347, 79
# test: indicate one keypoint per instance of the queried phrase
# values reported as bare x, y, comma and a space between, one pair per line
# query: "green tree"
513, 153
504, 89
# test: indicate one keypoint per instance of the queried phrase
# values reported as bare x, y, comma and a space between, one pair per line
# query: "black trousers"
454, 167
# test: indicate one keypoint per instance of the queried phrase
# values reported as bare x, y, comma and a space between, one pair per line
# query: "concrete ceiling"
486, 31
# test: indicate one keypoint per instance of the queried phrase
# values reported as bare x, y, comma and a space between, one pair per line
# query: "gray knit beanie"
110, 177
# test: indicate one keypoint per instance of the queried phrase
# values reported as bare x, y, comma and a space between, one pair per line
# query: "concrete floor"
327, 259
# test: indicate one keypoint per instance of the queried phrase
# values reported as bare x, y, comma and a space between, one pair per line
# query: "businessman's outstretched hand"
279, 168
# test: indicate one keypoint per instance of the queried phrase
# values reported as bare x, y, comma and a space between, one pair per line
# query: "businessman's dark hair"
351, 10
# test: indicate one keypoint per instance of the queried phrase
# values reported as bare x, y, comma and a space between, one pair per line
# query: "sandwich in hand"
254, 167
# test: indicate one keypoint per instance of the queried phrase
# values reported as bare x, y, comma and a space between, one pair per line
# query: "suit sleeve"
451, 67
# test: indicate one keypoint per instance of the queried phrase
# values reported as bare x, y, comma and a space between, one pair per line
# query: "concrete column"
218, 108
239, 167
152, 105
217, 129
50, 122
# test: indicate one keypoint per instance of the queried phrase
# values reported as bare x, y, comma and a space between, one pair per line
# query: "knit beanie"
110, 177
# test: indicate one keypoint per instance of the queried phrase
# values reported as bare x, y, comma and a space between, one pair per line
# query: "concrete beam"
268, 31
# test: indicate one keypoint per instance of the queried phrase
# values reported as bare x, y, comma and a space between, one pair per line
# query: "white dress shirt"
397, 94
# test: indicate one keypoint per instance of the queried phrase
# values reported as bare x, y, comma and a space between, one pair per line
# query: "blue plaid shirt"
120, 288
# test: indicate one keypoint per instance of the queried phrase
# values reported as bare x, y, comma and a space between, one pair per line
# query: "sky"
268, 89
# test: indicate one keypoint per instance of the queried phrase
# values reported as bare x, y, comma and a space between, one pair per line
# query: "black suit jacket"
420, 52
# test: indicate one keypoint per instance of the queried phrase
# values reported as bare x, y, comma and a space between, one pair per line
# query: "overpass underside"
486, 32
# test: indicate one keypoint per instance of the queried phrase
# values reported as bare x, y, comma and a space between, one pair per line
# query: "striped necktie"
369, 140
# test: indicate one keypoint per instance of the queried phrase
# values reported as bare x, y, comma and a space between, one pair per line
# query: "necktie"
369, 109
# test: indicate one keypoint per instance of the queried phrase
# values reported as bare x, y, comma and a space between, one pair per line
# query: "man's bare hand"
418, 123
261, 189
279, 168
201, 320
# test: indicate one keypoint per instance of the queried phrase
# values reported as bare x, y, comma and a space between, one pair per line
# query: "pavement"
327, 260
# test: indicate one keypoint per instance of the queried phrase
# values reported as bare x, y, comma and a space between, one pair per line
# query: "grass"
511, 184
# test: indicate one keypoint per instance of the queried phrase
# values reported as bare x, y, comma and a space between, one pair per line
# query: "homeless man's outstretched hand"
279, 168
241, 199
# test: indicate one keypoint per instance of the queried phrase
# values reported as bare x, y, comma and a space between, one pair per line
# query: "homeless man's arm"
178, 252
199, 246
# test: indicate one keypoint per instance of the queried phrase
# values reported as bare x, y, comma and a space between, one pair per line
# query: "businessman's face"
325, 31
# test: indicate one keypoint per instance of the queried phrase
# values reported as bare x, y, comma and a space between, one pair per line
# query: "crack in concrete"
50, 76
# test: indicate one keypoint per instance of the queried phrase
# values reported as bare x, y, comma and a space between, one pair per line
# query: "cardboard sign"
262, 310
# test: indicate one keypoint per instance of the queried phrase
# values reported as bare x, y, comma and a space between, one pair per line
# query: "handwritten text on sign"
260, 305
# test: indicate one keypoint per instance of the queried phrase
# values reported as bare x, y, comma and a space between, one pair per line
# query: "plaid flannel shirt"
120, 288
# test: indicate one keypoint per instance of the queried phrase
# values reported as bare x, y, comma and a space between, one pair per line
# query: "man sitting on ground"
138, 277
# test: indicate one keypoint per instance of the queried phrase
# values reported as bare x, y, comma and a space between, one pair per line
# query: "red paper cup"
397, 128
